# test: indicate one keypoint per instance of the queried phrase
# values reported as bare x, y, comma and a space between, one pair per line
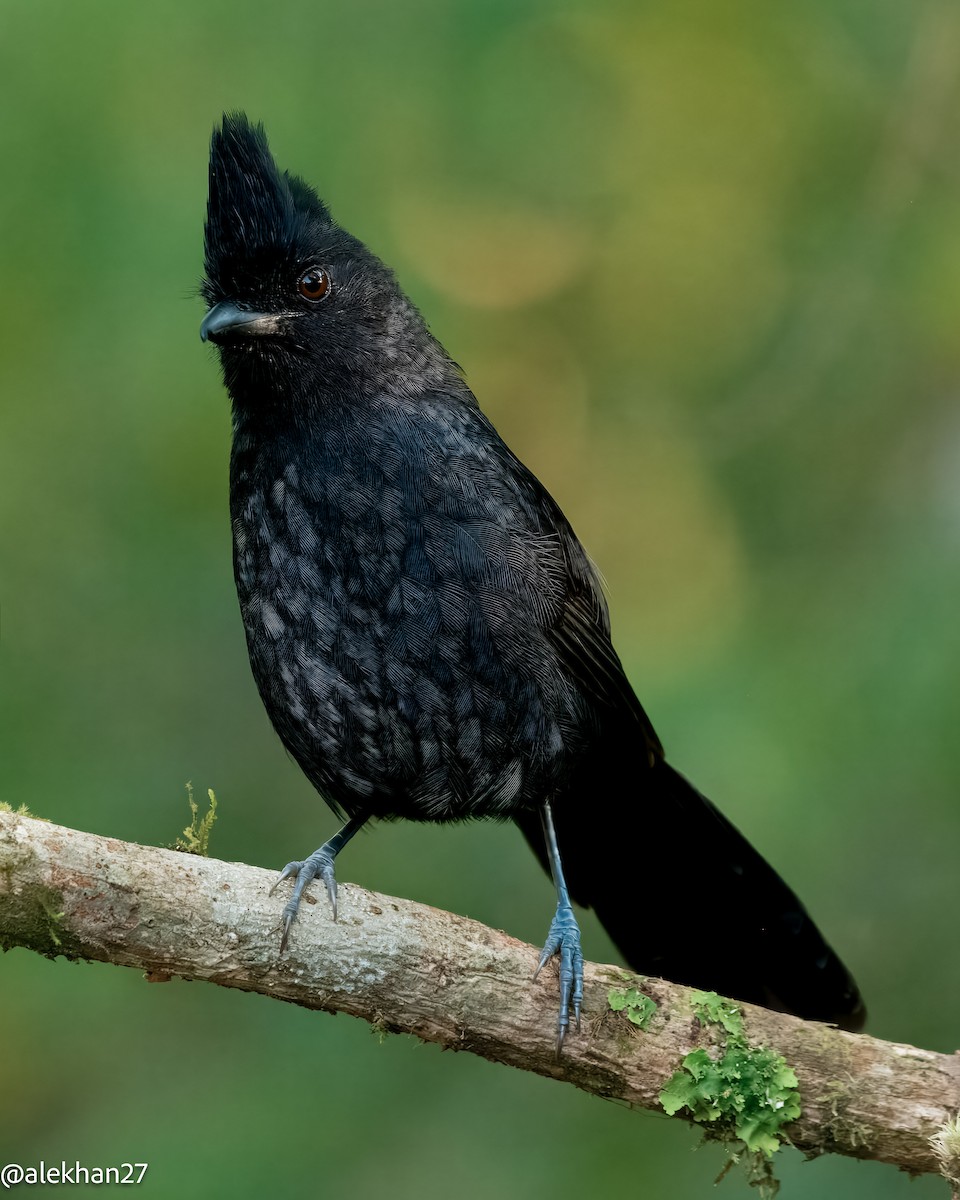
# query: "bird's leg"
563, 937
320, 863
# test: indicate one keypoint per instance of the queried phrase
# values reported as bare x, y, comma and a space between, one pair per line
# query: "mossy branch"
408, 968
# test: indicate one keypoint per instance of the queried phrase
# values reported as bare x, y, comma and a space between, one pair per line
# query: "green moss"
617, 975
36, 921
839, 1128
54, 915
32, 915
20, 811
195, 839
635, 1006
743, 1094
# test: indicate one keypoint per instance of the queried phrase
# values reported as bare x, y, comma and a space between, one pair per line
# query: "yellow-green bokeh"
701, 263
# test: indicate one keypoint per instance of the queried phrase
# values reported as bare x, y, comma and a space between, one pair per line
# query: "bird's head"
293, 298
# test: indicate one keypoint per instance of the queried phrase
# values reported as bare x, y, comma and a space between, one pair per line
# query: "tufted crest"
255, 211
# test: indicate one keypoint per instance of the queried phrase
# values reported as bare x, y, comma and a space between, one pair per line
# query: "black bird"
429, 637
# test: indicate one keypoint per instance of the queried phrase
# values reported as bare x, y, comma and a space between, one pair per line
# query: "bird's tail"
685, 897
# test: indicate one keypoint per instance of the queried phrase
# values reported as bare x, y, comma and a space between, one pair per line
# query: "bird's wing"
579, 629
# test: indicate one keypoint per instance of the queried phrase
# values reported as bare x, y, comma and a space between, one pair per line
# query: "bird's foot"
564, 940
318, 865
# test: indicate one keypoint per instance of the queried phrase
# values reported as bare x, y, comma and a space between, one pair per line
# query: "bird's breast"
378, 621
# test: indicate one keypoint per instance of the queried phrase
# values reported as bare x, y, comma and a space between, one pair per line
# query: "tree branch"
413, 969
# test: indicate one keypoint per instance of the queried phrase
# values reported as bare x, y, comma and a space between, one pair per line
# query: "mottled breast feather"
375, 579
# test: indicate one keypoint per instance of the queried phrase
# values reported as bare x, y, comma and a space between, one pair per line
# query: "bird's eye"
314, 284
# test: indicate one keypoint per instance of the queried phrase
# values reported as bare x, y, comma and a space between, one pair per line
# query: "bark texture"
410, 968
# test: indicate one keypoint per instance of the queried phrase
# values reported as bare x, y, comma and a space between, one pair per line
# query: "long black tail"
684, 896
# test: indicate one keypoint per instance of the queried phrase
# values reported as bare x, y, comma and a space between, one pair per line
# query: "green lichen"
751, 1091
635, 1006
711, 1009
195, 839
741, 1093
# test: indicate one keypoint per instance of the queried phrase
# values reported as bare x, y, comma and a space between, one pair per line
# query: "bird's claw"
318, 865
563, 939
292, 868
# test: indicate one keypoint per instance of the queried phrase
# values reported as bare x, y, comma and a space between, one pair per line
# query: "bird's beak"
226, 322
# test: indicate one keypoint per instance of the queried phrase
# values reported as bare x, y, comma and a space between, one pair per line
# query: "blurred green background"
701, 263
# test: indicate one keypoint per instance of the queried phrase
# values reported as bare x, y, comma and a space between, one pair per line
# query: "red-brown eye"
314, 284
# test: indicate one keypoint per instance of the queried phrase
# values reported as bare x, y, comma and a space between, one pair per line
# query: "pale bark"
410, 968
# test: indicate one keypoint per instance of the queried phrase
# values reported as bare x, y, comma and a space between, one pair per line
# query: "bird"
429, 637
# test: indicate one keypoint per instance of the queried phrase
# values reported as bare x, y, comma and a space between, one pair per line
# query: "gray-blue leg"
563, 938
318, 865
